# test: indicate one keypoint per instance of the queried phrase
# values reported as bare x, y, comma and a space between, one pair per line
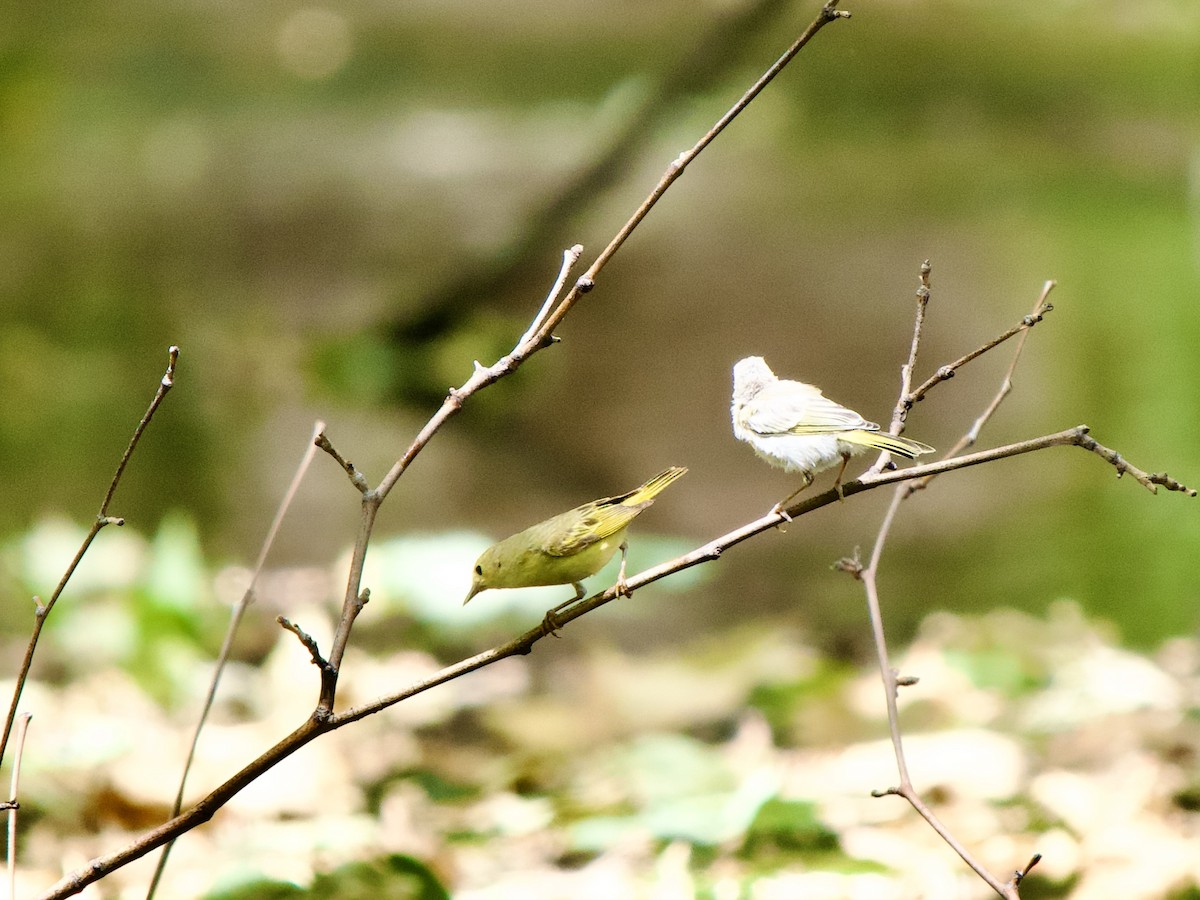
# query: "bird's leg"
778, 508
550, 623
622, 587
837, 484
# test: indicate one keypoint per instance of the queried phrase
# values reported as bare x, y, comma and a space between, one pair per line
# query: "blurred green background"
333, 210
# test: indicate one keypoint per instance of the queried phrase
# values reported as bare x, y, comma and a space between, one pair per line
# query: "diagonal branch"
829, 13
42, 610
235, 621
945, 373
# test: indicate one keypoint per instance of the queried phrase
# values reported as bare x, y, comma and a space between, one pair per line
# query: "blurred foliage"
782, 826
396, 877
143, 605
636, 772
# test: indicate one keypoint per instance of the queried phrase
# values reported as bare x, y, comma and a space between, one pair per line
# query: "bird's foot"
551, 623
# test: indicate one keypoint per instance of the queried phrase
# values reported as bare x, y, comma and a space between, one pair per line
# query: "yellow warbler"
569, 547
793, 426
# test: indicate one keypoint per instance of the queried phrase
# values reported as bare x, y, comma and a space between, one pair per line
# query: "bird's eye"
479, 570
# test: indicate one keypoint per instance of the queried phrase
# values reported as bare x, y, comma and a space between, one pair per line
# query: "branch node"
1019, 875
307, 640
886, 792
356, 477
1170, 483
168, 379
945, 372
851, 565
584, 284
923, 294
906, 680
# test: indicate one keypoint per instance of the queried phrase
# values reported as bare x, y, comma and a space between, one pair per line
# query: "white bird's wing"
792, 407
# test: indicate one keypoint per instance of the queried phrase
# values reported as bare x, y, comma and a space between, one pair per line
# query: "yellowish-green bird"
569, 547
793, 426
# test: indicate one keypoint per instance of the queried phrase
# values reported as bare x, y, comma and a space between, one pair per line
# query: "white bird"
795, 427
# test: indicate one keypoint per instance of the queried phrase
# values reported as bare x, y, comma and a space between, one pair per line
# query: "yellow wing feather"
572, 531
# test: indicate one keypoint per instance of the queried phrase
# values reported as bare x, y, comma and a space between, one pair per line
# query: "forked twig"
535, 338
307, 640
892, 681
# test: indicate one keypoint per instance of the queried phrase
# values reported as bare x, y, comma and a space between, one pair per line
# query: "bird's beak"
475, 589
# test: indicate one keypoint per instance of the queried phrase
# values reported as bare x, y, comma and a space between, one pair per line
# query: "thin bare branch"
900, 412
829, 13
948, 371
167, 382
570, 257
235, 620
543, 335
320, 439
1020, 874
14, 795
309, 642
892, 681
1146, 479
903, 404
42, 610
1040, 308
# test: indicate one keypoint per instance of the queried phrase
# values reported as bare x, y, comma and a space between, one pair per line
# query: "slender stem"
875, 613
102, 518
903, 403
946, 372
352, 605
869, 576
235, 620
570, 257
14, 795
828, 14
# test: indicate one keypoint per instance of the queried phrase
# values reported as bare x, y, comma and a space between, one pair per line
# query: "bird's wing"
790, 407
578, 529
582, 526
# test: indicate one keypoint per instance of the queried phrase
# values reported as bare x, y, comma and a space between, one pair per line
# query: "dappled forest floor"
739, 766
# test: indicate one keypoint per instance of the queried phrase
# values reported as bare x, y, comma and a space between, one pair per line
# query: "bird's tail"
653, 487
892, 443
